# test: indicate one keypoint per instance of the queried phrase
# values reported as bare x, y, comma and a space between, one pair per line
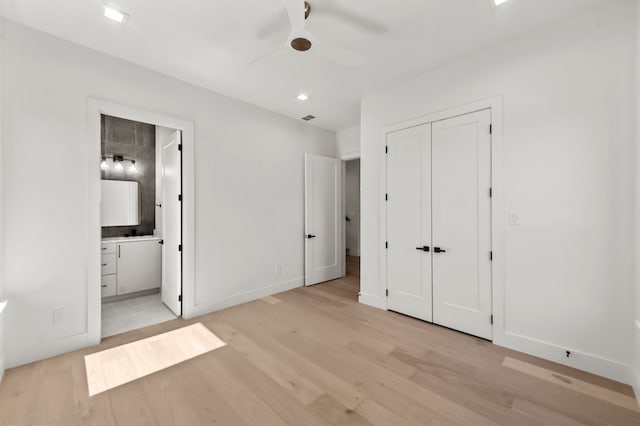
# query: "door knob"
438, 250
309, 236
161, 242
423, 248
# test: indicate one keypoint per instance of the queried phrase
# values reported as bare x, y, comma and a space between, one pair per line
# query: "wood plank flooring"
314, 356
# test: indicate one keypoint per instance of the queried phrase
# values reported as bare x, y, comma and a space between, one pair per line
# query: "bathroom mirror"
120, 206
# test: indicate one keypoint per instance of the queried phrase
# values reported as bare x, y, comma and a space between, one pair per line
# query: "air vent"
309, 117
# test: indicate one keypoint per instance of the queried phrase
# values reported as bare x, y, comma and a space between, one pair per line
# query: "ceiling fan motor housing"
301, 44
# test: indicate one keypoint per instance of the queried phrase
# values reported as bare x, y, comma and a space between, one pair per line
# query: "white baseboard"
245, 297
635, 369
47, 349
1, 368
636, 383
591, 363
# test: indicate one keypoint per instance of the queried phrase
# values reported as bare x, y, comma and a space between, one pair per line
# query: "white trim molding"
95, 108
247, 296
634, 369
3, 305
355, 155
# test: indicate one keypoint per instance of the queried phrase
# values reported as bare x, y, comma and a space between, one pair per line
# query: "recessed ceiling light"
499, 2
302, 97
115, 14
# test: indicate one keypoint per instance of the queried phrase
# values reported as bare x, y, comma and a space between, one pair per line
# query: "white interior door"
324, 254
172, 224
461, 221
409, 222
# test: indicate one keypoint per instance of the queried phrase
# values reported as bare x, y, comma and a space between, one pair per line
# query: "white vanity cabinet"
135, 265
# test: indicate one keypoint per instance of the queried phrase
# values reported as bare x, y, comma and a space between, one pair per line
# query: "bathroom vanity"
131, 265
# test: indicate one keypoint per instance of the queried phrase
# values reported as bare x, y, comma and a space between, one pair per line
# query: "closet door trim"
495, 104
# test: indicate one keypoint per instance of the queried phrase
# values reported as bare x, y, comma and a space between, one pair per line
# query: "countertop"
131, 239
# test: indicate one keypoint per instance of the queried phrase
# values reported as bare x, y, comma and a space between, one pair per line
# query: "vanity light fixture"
118, 163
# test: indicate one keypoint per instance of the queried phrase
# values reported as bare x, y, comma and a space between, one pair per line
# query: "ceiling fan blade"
295, 10
340, 55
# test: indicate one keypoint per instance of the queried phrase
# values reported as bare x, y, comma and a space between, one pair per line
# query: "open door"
324, 221
172, 223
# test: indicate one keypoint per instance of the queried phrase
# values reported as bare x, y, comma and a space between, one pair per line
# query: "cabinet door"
139, 266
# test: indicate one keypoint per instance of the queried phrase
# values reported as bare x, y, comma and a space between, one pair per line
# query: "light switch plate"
514, 219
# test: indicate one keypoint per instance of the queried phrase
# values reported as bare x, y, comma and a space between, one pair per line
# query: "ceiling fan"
301, 40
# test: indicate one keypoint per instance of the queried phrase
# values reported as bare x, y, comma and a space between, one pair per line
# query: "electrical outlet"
58, 315
514, 219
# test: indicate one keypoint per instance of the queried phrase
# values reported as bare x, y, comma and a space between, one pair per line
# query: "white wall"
349, 142
352, 206
248, 182
568, 129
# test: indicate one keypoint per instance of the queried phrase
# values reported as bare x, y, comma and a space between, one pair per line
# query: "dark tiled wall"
136, 141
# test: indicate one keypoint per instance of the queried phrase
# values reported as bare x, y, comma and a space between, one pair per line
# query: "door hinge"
490, 255
386, 197
386, 149
490, 129
490, 192
179, 197
387, 292
180, 147
179, 298
492, 319
179, 247
386, 244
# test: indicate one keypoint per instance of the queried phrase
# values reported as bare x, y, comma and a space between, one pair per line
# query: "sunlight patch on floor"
123, 364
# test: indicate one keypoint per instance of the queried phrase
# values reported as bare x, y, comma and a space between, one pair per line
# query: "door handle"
438, 250
423, 248
104, 286
161, 242
310, 236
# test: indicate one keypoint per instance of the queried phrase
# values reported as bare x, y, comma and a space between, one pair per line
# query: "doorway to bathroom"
141, 224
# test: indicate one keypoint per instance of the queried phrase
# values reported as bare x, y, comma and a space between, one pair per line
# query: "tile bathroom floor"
130, 314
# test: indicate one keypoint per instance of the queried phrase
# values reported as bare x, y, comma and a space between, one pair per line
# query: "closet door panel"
409, 222
462, 223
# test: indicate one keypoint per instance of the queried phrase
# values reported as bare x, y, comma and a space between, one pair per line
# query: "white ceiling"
210, 43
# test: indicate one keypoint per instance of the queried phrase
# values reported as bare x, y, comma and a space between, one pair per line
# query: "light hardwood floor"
313, 356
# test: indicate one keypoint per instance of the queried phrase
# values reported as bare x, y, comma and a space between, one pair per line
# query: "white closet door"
462, 223
409, 222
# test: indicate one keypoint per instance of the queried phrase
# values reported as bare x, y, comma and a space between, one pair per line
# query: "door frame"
95, 108
495, 105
